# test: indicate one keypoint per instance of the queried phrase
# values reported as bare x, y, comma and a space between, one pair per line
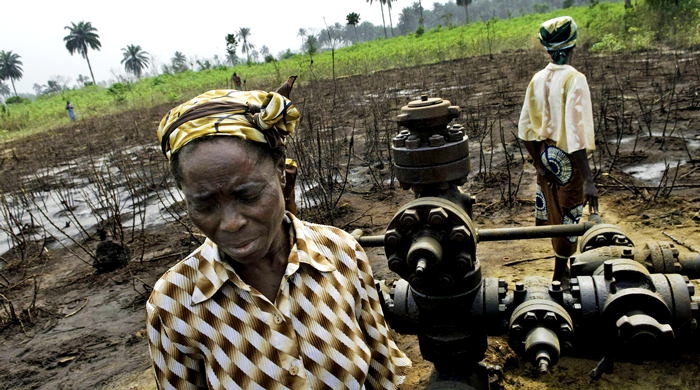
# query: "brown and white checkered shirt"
208, 328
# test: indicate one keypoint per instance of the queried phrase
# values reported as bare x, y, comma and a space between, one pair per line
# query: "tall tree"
381, 2
264, 51
353, 19
10, 67
246, 47
302, 34
82, 80
4, 89
135, 59
82, 36
465, 4
391, 22
231, 43
179, 62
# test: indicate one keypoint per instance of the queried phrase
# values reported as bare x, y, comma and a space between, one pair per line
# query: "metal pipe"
526, 233
502, 234
371, 241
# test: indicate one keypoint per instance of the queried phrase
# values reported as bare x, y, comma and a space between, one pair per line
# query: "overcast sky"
35, 29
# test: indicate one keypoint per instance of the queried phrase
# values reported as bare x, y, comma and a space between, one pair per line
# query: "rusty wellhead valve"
430, 155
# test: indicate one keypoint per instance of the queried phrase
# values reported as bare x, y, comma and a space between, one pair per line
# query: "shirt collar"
553, 66
213, 272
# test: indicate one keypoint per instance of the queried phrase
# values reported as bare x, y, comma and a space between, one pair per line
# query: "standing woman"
268, 301
556, 124
71, 113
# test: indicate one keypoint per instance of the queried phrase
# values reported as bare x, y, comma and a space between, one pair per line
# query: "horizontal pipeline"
504, 234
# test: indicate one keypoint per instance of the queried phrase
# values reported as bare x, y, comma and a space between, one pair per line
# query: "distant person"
71, 113
236, 81
556, 125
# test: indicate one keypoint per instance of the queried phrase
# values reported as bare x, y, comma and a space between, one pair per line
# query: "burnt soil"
81, 330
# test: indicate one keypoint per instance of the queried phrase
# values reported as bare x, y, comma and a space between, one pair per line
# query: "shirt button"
278, 320
293, 370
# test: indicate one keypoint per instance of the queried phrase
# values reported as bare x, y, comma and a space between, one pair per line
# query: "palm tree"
179, 61
302, 34
135, 60
311, 45
391, 23
264, 51
4, 89
466, 4
82, 80
10, 67
381, 2
246, 47
82, 36
353, 20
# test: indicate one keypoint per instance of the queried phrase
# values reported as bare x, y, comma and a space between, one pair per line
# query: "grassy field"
436, 45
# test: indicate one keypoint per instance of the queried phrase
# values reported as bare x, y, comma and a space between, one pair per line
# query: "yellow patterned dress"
558, 112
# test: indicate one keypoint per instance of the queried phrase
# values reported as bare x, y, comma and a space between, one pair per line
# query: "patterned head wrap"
558, 35
257, 116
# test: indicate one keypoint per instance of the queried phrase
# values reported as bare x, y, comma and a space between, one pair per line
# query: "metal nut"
550, 317
459, 234
565, 329
437, 216
437, 140
691, 289
463, 262
413, 142
454, 136
395, 264
530, 317
392, 237
409, 218
556, 285
519, 286
399, 142
627, 252
446, 280
576, 292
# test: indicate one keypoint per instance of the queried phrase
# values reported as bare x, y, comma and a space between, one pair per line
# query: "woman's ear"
282, 171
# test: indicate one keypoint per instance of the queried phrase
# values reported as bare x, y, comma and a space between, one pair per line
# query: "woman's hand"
551, 179
590, 196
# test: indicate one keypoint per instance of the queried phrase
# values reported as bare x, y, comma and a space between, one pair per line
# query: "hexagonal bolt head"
530, 318
519, 286
694, 307
502, 283
502, 308
565, 329
576, 292
675, 252
413, 142
437, 140
395, 264
405, 132
399, 142
459, 234
415, 280
463, 262
516, 330
392, 237
446, 280
437, 216
600, 239
409, 218
578, 307
627, 252
620, 239
550, 317
556, 285
454, 136
691, 289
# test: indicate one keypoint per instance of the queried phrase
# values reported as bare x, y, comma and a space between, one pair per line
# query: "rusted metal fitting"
413, 142
437, 140
392, 237
427, 112
399, 141
395, 264
459, 234
437, 216
409, 218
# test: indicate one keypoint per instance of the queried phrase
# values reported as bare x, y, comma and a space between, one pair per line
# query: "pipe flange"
604, 235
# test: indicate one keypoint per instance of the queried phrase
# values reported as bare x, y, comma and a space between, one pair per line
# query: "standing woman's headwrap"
557, 35
257, 116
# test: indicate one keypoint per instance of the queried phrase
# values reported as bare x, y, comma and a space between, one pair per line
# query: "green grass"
435, 45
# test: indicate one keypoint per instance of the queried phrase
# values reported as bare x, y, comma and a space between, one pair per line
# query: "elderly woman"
268, 301
556, 124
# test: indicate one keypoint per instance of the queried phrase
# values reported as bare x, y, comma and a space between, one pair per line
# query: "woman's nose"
231, 219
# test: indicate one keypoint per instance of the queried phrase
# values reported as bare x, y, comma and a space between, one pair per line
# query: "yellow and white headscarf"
257, 116
558, 35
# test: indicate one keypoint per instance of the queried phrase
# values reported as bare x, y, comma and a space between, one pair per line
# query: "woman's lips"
240, 250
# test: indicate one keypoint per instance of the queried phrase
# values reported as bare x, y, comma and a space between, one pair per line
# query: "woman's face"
234, 197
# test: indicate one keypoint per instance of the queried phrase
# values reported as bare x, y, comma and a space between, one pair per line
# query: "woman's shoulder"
183, 274
337, 235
